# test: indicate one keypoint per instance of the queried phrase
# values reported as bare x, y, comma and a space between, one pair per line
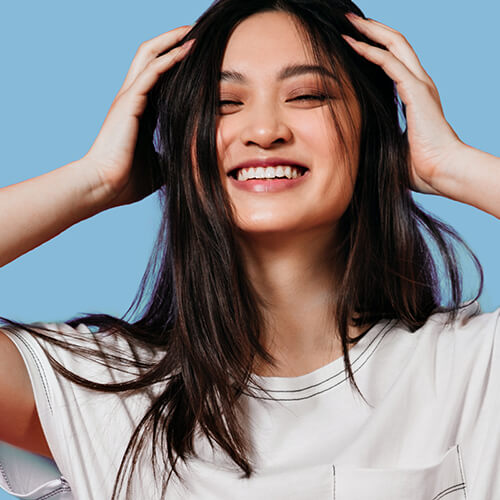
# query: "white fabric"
429, 429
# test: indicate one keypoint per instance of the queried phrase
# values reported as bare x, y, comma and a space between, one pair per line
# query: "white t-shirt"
430, 430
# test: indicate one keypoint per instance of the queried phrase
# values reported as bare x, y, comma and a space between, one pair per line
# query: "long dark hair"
197, 308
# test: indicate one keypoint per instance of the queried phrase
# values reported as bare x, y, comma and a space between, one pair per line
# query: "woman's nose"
264, 127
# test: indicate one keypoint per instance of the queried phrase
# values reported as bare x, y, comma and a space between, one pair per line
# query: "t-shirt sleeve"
86, 431
26, 475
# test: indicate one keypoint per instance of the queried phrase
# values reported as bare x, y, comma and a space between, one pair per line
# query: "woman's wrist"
471, 176
94, 193
38, 209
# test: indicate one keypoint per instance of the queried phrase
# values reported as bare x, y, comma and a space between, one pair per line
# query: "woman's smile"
269, 185
273, 104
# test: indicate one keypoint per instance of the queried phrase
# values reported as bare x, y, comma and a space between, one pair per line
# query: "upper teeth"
268, 172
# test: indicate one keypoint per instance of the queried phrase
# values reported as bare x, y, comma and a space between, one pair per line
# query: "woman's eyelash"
305, 97
310, 97
222, 103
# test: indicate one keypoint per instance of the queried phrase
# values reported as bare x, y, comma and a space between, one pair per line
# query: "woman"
263, 289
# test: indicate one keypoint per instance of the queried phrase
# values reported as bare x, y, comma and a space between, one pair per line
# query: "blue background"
63, 62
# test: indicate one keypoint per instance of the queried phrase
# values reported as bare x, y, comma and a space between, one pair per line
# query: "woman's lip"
234, 171
269, 185
266, 162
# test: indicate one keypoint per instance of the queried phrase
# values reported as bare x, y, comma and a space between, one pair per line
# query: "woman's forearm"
473, 177
34, 211
441, 164
111, 174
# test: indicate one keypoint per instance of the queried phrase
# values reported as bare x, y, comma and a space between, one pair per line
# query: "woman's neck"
296, 277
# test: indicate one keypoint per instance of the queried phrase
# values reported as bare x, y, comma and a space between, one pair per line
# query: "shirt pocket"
443, 480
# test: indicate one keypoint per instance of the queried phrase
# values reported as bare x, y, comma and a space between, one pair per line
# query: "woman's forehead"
275, 46
267, 37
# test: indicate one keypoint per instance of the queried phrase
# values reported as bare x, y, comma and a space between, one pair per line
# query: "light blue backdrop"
62, 63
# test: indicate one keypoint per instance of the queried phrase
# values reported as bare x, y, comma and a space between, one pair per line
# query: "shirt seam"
4, 475
381, 334
59, 489
461, 465
40, 369
340, 372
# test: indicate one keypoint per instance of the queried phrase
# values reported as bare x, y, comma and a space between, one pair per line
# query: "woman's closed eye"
227, 103
312, 97
304, 97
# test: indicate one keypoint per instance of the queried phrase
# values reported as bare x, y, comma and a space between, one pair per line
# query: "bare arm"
111, 174
34, 211
473, 177
19, 422
441, 164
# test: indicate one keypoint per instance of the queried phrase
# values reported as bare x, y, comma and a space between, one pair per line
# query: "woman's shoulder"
102, 356
461, 344
446, 345
468, 325
78, 421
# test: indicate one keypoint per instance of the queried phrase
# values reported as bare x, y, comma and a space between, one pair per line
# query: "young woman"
294, 343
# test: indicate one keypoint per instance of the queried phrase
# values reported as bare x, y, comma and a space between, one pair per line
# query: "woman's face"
269, 118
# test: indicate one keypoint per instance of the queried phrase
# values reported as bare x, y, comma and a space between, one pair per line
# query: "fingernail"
348, 39
352, 16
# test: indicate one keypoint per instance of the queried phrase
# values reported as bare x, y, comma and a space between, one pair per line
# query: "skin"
441, 164
109, 176
287, 237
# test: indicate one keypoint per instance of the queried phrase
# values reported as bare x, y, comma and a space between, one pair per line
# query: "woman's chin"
265, 226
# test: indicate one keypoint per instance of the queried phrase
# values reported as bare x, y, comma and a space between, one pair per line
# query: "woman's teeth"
245, 174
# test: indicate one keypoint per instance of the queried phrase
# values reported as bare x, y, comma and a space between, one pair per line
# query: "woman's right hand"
119, 158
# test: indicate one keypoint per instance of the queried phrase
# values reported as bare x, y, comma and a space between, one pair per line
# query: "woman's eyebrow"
286, 72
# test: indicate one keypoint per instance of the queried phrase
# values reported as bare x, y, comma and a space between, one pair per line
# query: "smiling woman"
285, 106
293, 339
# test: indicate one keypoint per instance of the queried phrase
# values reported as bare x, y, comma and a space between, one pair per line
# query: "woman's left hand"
433, 143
